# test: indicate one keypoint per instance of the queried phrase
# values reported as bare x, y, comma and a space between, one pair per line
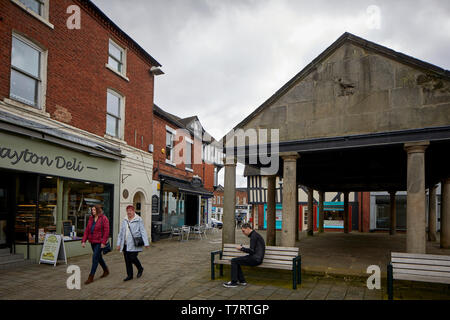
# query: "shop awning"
54, 134
187, 187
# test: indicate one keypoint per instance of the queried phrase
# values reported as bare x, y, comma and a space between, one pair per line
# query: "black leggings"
130, 259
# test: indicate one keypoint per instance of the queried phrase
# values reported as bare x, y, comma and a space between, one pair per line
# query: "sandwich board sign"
53, 249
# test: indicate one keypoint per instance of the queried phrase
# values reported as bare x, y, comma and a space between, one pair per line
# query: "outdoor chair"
197, 230
177, 232
185, 231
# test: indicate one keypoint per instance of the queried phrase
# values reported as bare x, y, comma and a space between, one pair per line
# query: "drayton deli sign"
27, 156
32, 155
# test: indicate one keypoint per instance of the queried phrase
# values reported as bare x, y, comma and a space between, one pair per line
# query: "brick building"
186, 164
76, 120
243, 209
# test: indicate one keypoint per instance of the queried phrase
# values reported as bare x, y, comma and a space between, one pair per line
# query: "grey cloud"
222, 59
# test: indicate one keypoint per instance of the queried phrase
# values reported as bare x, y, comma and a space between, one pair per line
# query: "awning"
187, 187
18, 125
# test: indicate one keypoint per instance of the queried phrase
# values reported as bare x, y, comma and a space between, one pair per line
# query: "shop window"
80, 197
383, 211
173, 209
114, 113
26, 72
26, 209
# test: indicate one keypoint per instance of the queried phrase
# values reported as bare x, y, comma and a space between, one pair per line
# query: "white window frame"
42, 81
190, 145
173, 133
44, 17
120, 134
124, 51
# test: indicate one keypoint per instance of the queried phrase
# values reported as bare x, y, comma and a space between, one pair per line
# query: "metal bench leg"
390, 282
299, 270
213, 276
294, 274
221, 270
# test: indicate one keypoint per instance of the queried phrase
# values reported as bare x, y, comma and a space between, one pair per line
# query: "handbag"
107, 247
138, 241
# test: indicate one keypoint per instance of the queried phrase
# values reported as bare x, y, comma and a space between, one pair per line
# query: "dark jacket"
97, 236
257, 246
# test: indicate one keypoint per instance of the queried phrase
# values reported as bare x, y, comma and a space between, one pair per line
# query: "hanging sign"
53, 249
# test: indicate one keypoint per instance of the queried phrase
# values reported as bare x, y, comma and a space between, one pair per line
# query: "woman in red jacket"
97, 232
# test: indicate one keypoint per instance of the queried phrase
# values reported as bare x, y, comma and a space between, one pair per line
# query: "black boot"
139, 274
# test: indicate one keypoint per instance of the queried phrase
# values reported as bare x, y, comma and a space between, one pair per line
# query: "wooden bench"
284, 258
417, 267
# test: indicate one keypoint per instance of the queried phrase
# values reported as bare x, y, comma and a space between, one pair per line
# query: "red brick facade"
204, 170
241, 197
77, 78
159, 156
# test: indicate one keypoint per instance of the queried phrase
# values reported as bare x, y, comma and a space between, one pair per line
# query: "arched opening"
139, 203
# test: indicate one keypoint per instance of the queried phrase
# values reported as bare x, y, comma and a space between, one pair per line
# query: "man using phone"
254, 258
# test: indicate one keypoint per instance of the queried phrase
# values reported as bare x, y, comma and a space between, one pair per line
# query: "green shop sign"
22, 153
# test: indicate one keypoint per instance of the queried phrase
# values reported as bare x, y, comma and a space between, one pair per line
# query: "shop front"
182, 203
50, 187
333, 216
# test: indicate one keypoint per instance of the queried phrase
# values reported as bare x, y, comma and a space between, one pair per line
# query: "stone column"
229, 202
432, 219
415, 201
346, 213
321, 213
393, 214
289, 198
310, 211
271, 211
445, 214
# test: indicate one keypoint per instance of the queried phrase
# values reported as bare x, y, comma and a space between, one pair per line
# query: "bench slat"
272, 261
411, 277
263, 265
267, 256
421, 261
228, 245
419, 256
423, 273
419, 267
267, 253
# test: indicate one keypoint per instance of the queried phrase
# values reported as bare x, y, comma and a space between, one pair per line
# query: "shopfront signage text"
27, 156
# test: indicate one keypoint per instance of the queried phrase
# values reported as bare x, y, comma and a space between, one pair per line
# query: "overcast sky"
223, 58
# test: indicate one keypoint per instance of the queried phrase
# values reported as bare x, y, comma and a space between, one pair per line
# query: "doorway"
191, 215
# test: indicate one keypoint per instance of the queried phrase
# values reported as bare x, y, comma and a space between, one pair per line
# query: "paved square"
181, 270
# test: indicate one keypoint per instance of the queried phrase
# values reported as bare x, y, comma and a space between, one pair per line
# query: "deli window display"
35, 207
38, 210
78, 199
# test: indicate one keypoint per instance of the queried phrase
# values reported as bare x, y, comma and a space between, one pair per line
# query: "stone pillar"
445, 214
432, 218
415, 201
393, 214
229, 202
271, 211
346, 213
289, 198
321, 213
310, 211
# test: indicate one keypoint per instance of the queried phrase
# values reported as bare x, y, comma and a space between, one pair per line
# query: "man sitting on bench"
254, 258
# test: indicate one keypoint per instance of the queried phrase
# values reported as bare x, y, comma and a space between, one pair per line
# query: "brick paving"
181, 271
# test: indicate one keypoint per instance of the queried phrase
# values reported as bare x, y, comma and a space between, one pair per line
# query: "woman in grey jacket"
132, 226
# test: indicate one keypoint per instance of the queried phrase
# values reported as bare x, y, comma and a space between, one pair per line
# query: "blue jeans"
97, 257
